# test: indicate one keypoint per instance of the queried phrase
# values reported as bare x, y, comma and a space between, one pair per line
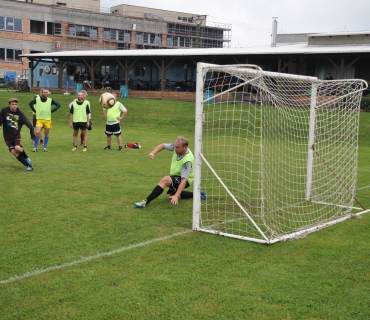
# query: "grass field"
73, 246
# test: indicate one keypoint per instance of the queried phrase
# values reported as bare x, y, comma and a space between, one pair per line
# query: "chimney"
274, 32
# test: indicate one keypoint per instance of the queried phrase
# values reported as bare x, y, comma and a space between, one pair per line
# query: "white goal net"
276, 154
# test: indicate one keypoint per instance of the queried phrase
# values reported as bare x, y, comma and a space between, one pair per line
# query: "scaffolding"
80, 29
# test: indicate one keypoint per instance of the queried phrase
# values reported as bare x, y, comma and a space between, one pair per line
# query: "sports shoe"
28, 168
29, 161
34, 150
74, 148
44, 150
81, 144
107, 148
42, 142
203, 195
141, 204
85, 149
120, 148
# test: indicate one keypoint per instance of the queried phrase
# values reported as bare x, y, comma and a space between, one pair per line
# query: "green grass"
78, 205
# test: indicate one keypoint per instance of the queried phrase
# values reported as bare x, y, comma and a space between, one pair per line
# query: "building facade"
36, 26
344, 55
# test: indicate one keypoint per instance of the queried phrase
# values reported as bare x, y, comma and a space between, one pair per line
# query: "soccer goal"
275, 153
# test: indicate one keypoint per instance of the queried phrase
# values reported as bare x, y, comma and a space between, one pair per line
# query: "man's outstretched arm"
157, 149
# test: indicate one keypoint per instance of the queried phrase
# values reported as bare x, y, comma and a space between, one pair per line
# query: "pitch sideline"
90, 258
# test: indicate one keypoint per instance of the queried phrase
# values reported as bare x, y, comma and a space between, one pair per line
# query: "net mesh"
279, 152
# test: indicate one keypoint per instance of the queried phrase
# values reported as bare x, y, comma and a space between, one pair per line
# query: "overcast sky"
251, 21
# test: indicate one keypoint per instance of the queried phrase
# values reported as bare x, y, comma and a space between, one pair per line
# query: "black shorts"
176, 180
79, 125
11, 145
113, 129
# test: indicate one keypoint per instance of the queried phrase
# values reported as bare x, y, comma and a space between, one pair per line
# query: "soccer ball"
107, 100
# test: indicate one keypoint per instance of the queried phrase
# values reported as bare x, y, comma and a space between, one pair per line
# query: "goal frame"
202, 69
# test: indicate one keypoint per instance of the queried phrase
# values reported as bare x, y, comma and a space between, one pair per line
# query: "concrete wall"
141, 11
291, 38
93, 5
339, 40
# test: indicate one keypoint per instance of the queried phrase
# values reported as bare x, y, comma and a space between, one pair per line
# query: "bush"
365, 103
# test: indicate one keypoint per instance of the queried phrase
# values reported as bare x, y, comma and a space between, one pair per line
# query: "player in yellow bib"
41, 106
89, 127
114, 116
79, 119
181, 173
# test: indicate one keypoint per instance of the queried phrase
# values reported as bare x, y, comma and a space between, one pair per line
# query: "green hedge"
365, 103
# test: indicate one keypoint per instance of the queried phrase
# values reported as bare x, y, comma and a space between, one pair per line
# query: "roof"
297, 48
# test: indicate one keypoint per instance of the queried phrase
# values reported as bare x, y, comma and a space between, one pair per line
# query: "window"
18, 25
139, 38
106, 33
147, 37
127, 36
17, 57
10, 55
123, 46
104, 69
121, 35
37, 26
9, 23
113, 34
83, 31
169, 41
71, 70
94, 33
57, 28
139, 71
2, 54
71, 31
182, 42
49, 28
158, 40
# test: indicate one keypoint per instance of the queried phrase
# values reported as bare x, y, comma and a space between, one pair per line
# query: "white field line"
365, 187
97, 256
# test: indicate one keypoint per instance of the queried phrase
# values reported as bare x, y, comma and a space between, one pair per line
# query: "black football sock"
157, 191
186, 195
23, 154
22, 160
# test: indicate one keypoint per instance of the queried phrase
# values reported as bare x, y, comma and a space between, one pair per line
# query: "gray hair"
182, 140
84, 92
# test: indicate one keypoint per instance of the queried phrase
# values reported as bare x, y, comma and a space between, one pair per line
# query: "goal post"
276, 154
